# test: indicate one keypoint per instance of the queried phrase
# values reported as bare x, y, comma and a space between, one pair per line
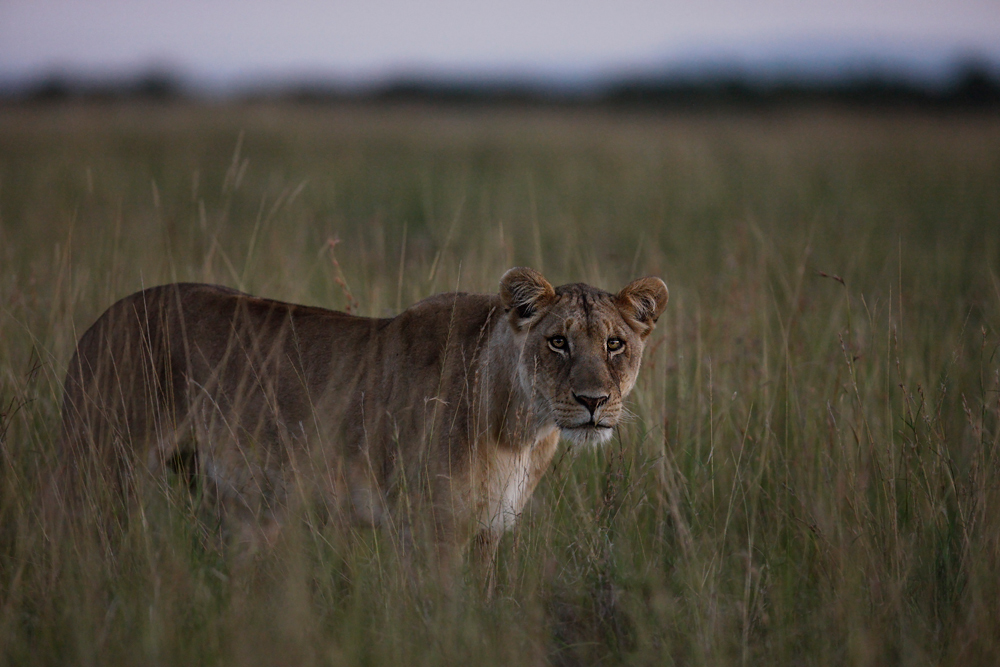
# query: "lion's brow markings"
585, 306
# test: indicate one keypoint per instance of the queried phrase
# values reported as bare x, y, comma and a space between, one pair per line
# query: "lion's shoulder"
459, 314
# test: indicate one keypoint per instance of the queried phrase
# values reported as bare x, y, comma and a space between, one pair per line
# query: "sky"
233, 42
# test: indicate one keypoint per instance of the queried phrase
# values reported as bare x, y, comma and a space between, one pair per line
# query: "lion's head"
580, 347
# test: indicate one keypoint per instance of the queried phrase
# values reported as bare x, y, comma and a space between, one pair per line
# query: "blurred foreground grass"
812, 477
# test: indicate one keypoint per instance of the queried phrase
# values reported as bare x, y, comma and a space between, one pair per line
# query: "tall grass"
812, 474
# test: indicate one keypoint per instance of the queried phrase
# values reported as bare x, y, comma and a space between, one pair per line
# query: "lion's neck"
510, 411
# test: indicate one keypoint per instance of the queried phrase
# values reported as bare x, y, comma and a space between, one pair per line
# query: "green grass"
813, 473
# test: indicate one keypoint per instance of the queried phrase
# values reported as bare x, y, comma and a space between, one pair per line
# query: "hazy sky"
220, 40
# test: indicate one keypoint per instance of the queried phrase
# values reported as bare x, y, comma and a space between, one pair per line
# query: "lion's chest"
511, 477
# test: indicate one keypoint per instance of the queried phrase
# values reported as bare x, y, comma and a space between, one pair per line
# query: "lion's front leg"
484, 559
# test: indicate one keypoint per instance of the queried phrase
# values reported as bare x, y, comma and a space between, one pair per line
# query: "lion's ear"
641, 303
524, 294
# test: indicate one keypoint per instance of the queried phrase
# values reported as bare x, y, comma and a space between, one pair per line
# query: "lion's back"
154, 354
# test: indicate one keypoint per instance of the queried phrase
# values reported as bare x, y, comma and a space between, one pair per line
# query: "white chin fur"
587, 436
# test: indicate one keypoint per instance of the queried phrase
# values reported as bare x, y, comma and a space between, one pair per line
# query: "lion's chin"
587, 434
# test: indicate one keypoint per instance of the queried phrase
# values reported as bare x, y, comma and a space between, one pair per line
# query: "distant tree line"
974, 85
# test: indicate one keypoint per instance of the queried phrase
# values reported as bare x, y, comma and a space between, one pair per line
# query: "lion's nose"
590, 402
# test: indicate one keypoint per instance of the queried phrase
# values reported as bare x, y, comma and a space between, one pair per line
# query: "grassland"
813, 475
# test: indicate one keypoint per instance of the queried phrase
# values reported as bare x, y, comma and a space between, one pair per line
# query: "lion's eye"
558, 343
615, 344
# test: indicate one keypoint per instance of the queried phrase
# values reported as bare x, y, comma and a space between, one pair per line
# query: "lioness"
450, 411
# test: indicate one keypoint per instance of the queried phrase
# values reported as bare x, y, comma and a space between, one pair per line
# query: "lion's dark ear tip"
524, 291
644, 299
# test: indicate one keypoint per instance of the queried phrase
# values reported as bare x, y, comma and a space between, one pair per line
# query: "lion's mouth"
587, 432
589, 426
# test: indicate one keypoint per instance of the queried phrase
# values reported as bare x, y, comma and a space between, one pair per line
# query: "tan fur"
451, 411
